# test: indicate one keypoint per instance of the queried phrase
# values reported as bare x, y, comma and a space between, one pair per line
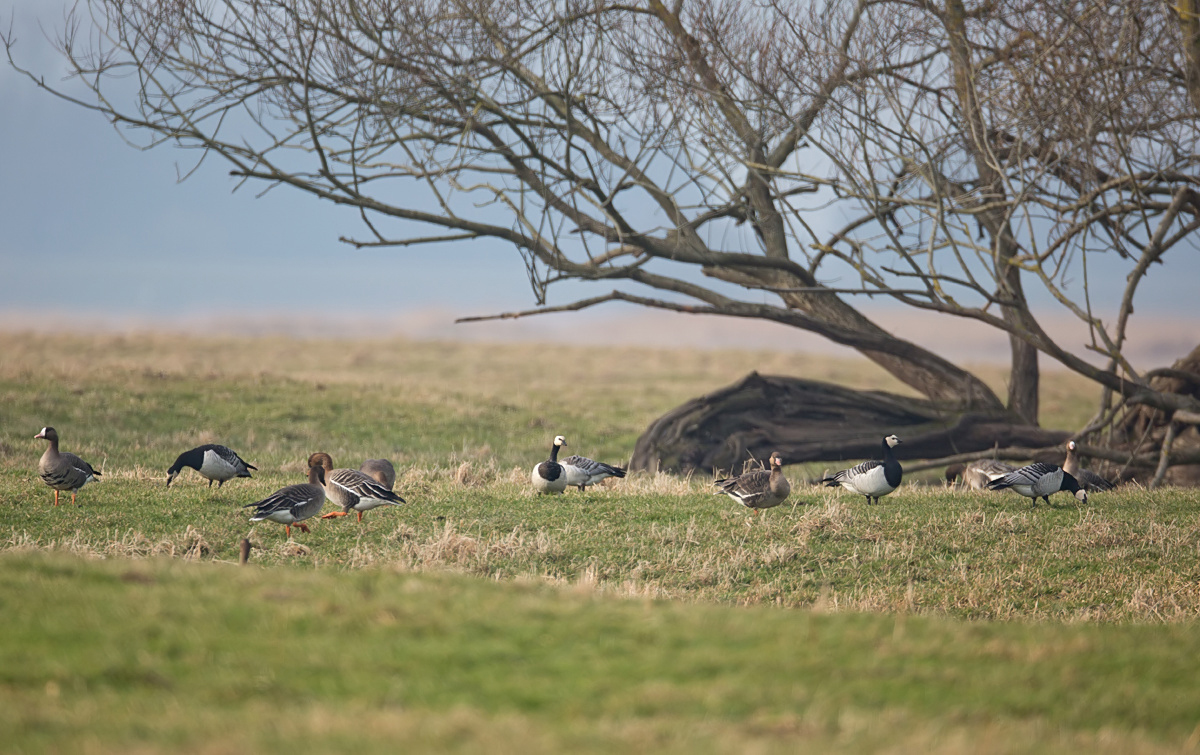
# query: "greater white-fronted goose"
758, 489
1039, 480
63, 471
980, 472
582, 471
873, 479
351, 489
293, 504
549, 476
213, 462
1091, 482
380, 470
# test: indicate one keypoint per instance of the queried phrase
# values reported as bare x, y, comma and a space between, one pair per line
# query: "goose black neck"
887, 451
554, 453
1069, 483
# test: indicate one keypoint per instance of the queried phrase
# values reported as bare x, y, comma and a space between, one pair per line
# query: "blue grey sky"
94, 231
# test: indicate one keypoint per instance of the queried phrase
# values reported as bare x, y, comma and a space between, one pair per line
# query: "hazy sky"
93, 230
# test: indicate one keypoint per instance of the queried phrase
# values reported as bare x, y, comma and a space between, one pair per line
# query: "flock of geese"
371, 485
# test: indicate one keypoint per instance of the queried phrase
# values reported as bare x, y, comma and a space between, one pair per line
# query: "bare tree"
723, 158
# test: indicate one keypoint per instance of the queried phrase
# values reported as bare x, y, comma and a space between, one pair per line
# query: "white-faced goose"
351, 489
293, 504
582, 471
213, 462
63, 471
380, 470
980, 472
758, 489
1039, 480
1091, 482
549, 476
873, 479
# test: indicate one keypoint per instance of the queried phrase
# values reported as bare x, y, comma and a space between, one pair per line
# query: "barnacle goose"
1039, 480
873, 479
549, 476
213, 462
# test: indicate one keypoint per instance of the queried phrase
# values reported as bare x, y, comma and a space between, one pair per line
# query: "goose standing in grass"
872, 478
1039, 480
381, 470
980, 472
758, 489
213, 462
351, 489
1091, 482
293, 504
549, 476
63, 471
582, 471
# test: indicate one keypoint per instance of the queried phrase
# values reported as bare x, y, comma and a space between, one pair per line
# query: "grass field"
649, 614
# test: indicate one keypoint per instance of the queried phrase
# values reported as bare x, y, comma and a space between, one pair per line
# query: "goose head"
1070, 445
560, 441
776, 460
322, 460
47, 433
892, 441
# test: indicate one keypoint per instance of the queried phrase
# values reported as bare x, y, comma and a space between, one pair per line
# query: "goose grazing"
63, 471
980, 472
872, 478
1091, 482
549, 476
293, 504
1039, 480
381, 470
213, 462
758, 489
582, 471
351, 489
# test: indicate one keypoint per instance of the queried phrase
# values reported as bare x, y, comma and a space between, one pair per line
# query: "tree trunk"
806, 420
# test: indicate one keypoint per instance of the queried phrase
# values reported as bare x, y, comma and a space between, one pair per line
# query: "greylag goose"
213, 462
381, 470
293, 504
549, 476
758, 489
1039, 480
980, 472
1091, 482
351, 489
873, 479
582, 471
63, 471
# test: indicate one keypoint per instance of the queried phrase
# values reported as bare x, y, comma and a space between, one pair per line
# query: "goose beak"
39, 435
170, 479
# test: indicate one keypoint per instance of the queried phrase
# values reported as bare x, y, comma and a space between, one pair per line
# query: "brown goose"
351, 489
758, 489
381, 470
293, 504
63, 471
1091, 482
980, 472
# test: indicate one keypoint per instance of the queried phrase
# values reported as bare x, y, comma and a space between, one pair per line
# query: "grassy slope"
464, 423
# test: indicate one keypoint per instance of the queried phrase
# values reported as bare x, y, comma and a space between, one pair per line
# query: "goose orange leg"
303, 527
55, 497
333, 514
360, 517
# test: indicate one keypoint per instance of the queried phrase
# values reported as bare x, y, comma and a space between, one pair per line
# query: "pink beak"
39, 435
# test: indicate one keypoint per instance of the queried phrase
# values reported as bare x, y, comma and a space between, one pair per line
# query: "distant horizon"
1155, 341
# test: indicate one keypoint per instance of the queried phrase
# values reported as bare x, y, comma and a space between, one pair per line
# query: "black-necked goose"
63, 471
1039, 480
873, 478
549, 476
213, 462
293, 504
758, 489
351, 489
980, 472
381, 470
1091, 482
582, 471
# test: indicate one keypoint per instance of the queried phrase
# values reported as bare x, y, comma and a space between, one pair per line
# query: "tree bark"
806, 420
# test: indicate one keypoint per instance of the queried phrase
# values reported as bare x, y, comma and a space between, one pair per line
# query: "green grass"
648, 614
